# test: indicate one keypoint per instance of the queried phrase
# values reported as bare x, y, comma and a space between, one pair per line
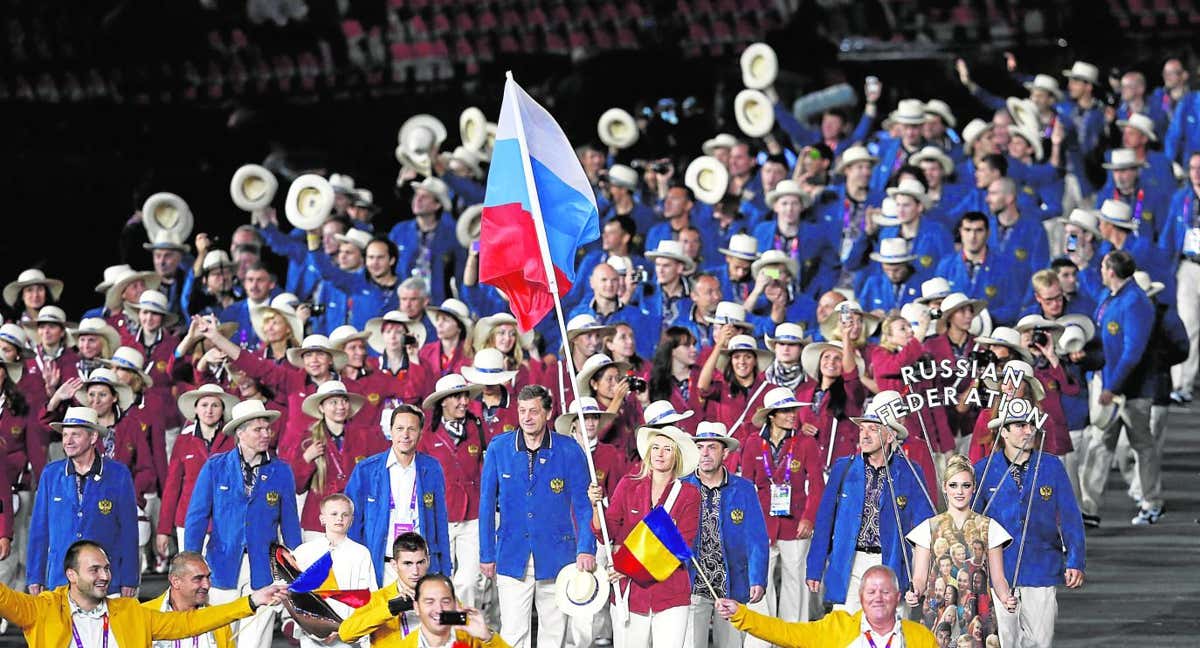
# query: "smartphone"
1072, 242
772, 273
475, 246
452, 618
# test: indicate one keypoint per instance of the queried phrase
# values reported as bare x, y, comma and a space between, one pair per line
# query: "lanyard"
79, 642
872, 641
1137, 205
404, 624
412, 504
195, 642
766, 459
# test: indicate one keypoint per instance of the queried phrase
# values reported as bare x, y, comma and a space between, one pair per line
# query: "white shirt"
404, 507
895, 635
206, 640
352, 567
90, 625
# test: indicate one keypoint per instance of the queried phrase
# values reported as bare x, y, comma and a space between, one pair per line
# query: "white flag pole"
535, 210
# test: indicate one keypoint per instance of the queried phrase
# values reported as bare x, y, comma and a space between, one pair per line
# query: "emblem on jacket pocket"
427, 498
473, 450
737, 516
1113, 328
373, 398
990, 291
1046, 492
105, 506
795, 465
901, 501
600, 475
272, 497
556, 485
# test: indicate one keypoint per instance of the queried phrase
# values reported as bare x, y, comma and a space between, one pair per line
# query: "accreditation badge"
781, 500
1191, 242
556, 485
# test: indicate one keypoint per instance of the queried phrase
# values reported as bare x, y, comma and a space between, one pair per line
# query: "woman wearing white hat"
52, 337
621, 345
30, 292
396, 375
323, 457
732, 383
835, 392
15, 426
279, 326
495, 405
674, 373
150, 408
786, 468
658, 611
952, 343
206, 410
448, 353
499, 332
152, 335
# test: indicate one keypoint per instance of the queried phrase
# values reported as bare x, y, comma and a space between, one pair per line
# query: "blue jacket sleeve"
470, 191
129, 565
348, 282
800, 134
1069, 518
988, 99
354, 492
39, 535
441, 529
585, 540
822, 539
861, 131
488, 485
1173, 146
294, 248
289, 517
199, 510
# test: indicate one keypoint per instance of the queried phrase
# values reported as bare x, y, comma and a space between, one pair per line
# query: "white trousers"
862, 562
1183, 375
663, 629
464, 553
1071, 460
790, 600
583, 631
517, 600
704, 616
1032, 625
255, 630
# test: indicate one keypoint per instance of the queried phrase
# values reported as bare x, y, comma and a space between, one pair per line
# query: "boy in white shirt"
352, 566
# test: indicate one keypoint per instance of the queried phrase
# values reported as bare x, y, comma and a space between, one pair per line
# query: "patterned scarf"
789, 377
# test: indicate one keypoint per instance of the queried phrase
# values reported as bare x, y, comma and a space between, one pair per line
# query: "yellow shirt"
222, 635
413, 640
374, 619
46, 619
836, 630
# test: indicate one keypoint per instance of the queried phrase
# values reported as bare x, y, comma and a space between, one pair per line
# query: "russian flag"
534, 171
653, 550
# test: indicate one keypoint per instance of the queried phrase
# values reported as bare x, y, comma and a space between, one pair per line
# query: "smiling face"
959, 488
336, 409
356, 353
34, 296
622, 345
90, 575
454, 406
101, 398
744, 363
406, 433
531, 416
210, 410
191, 585
77, 441
316, 363
879, 597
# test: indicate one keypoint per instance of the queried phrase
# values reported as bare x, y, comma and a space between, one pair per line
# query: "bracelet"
253, 605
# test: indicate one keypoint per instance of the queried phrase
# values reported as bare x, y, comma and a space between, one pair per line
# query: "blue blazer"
448, 256
369, 488
241, 523
369, 298
1123, 323
302, 277
1054, 538
548, 516
1175, 225
108, 516
993, 282
744, 540
839, 519
1183, 135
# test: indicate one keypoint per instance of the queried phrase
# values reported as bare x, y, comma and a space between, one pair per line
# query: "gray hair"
415, 284
878, 569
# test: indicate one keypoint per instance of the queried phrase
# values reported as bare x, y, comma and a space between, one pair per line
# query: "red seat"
463, 49
602, 38
423, 49
535, 17
352, 29
626, 39
486, 21
463, 22
509, 44
721, 31
441, 23
577, 38
401, 51
416, 26
510, 19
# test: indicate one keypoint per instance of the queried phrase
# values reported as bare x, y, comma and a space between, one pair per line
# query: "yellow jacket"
223, 635
46, 619
835, 630
374, 619
413, 640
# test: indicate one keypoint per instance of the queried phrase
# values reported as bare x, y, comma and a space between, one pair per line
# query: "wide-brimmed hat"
1085, 219
1037, 322
356, 237
105, 376
746, 343
253, 187
830, 327
471, 159
436, 187
130, 359
1118, 213
909, 111
1081, 71
759, 66
1012, 368
716, 431
51, 315
775, 257
214, 260
856, 153
120, 279
789, 188
1046, 83
957, 300
1032, 137
374, 329
621, 175
485, 326
594, 365
1148, 286
981, 324
720, 140
16, 336
342, 183
32, 277
100, 327
166, 211
563, 423
1100, 415
873, 413
328, 389
1010, 415
110, 274
910, 187
1124, 158
187, 400
449, 385
753, 112
488, 368
617, 129
777, 398
364, 199
282, 305
893, 250
167, 240
247, 411
1139, 122
345, 334
730, 313
935, 288
454, 308
669, 249
580, 594
689, 455
468, 225
810, 358
935, 154
973, 131
941, 109
1075, 322
309, 202
741, 246
153, 301
426, 121
662, 412
295, 355
84, 417
1007, 337
707, 178
788, 333
585, 323
472, 128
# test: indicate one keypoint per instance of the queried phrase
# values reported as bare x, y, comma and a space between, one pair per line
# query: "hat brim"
585, 610
295, 356
124, 394
563, 424
791, 264
829, 328
112, 296
341, 343
847, 162
187, 402
1055, 92
169, 318
13, 290
485, 326
312, 403
731, 444
907, 258
689, 455
58, 426
895, 426
432, 311
688, 264
477, 377
745, 256
760, 415
147, 381
1123, 123
763, 358
111, 338
374, 329
585, 377
1131, 225
231, 427
470, 390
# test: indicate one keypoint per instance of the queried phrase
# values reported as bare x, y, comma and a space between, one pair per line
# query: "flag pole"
535, 210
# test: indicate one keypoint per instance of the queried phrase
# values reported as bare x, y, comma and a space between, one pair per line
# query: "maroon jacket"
940, 348
438, 364
149, 411
887, 367
846, 441
291, 386
799, 454
187, 458
21, 443
503, 419
461, 462
359, 441
384, 389
721, 406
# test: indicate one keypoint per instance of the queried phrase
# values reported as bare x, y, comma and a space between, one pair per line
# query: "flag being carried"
538, 200
653, 550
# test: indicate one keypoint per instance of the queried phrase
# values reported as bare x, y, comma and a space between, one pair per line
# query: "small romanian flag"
320, 580
653, 550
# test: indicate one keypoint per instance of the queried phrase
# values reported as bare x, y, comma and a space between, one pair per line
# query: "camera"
399, 605
452, 618
317, 309
640, 275
984, 357
410, 340
844, 314
1072, 242
661, 167
935, 313
1040, 339
636, 383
